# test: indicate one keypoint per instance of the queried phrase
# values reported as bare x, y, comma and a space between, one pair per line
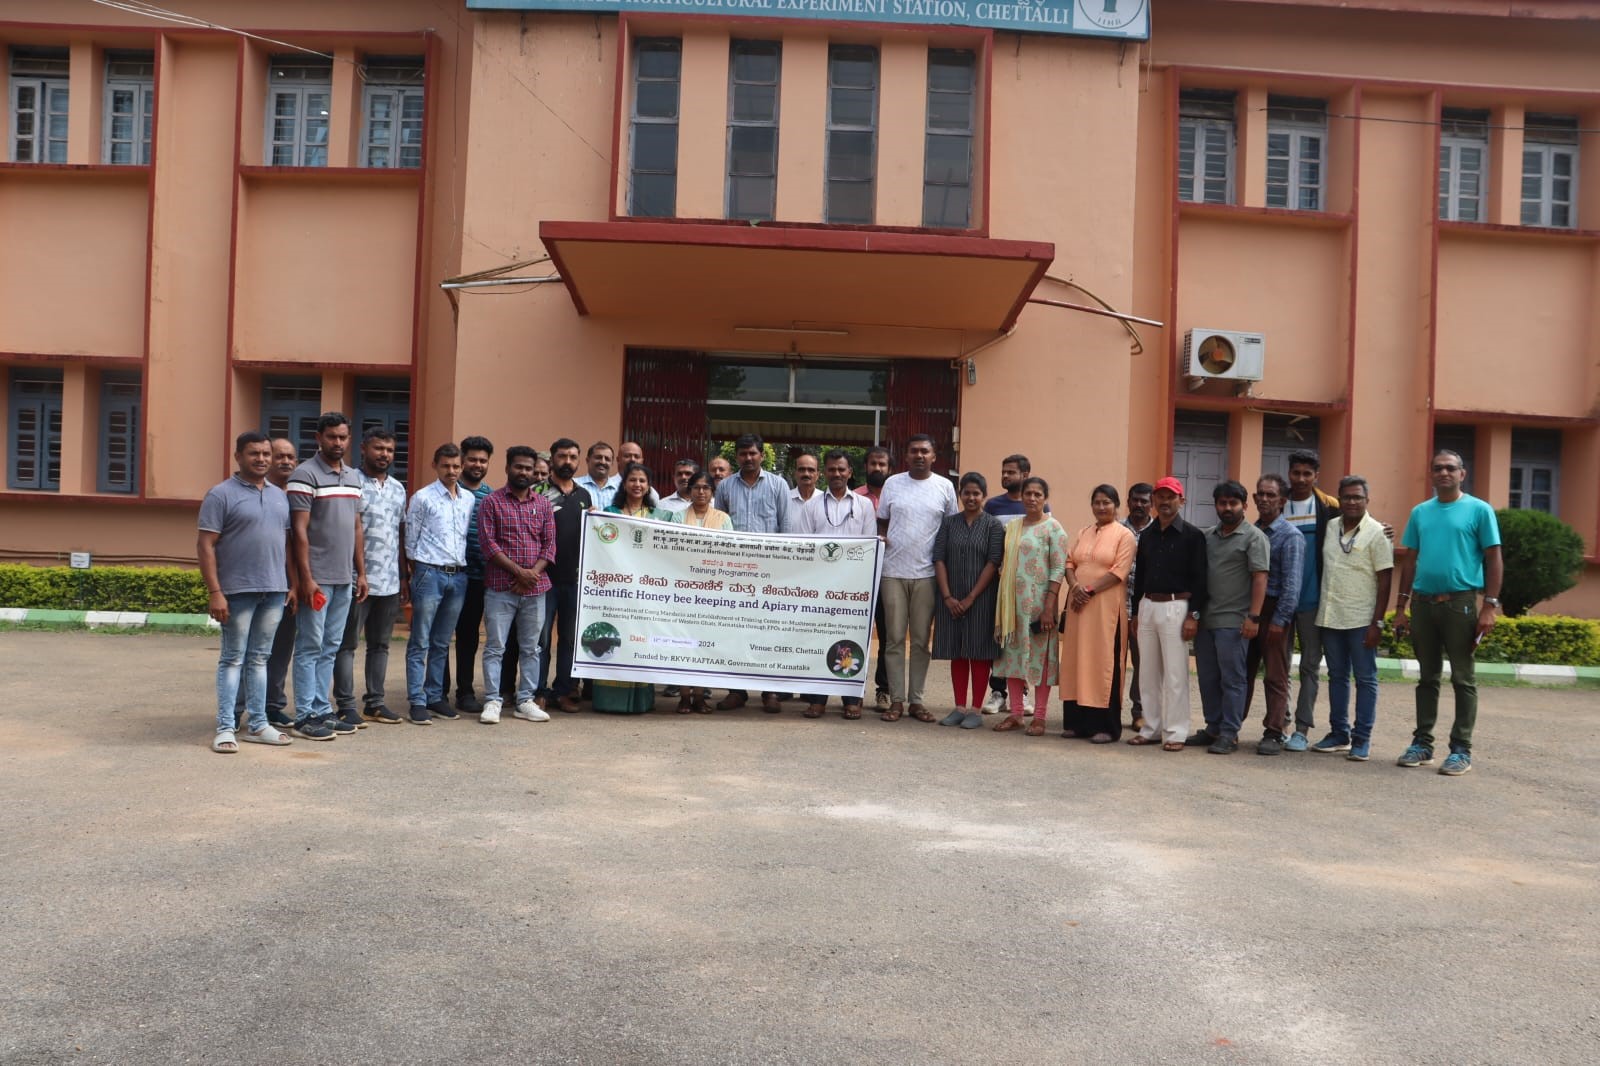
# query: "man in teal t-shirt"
1452, 547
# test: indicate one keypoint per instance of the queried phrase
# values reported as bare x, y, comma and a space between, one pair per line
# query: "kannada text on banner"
679, 605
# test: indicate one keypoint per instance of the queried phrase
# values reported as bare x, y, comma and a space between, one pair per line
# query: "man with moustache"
804, 491
1138, 520
757, 501
837, 512
242, 552
718, 468
600, 482
285, 457
383, 511
329, 550
678, 500
475, 455
1271, 643
436, 544
1169, 594
877, 463
1357, 567
1237, 561
517, 531
568, 501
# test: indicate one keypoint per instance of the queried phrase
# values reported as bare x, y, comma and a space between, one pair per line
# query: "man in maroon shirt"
517, 533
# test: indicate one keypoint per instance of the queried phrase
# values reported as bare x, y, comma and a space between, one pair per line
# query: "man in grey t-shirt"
1238, 556
330, 571
241, 548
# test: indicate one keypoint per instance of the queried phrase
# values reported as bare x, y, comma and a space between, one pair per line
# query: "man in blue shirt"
1452, 547
757, 501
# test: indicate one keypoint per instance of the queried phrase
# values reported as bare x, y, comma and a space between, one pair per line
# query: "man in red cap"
1169, 593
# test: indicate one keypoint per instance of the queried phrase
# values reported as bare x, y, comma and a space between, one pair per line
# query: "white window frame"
1297, 131
301, 86
1546, 202
1206, 131
398, 123
1451, 172
144, 94
45, 95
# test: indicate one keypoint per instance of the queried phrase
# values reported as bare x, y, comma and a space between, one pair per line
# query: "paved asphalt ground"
748, 889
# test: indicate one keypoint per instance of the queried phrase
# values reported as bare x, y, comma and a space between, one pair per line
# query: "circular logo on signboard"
607, 532
1111, 14
601, 640
845, 659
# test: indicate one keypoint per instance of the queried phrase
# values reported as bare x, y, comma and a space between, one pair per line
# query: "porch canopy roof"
783, 276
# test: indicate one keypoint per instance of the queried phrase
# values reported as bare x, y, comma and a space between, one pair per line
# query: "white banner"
679, 605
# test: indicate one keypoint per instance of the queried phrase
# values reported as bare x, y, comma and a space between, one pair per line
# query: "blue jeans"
317, 637
560, 614
1345, 650
1219, 656
502, 611
246, 644
436, 599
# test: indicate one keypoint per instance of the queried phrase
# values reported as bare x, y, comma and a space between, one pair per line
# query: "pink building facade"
1368, 228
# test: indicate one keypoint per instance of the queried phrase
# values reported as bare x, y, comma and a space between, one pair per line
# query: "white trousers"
1164, 670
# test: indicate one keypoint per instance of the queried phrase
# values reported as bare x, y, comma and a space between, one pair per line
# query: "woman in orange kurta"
1095, 632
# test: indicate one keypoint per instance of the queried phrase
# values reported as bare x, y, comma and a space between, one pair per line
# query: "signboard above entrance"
1123, 19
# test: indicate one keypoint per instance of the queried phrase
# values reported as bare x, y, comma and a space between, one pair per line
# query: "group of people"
305, 561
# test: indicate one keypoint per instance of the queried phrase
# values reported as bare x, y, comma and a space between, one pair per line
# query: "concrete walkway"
744, 888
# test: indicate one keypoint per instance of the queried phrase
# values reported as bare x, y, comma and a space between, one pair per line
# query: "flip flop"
268, 735
850, 713
225, 744
1173, 746
1140, 741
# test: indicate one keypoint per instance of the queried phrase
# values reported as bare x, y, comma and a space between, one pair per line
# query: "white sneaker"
530, 711
995, 703
490, 713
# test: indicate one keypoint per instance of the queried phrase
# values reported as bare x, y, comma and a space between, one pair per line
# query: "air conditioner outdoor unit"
1223, 355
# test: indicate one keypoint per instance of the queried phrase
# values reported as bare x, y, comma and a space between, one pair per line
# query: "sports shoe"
489, 714
672, 692
973, 720
1456, 764
1201, 739
420, 715
1224, 746
1415, 755
381, 714
883, 699
1297, 742
312, 729
530, 711
1331, 743
339, 725
955, 717
1269, 746
352, 717
1360, 751
467, 703
995, 703
441, 709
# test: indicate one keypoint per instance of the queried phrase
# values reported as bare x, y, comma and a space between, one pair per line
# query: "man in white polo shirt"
910, 509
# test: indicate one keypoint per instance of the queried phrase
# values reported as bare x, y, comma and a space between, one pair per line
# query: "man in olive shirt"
1237, 559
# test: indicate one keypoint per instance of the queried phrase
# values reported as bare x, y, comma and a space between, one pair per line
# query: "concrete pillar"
1505, 164
1251, 164
703, 126
803, 129
1491, 477
902, 126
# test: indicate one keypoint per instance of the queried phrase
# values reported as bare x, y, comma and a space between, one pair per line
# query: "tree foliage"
1543, 556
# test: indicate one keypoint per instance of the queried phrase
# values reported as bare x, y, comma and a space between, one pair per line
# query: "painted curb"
96, 619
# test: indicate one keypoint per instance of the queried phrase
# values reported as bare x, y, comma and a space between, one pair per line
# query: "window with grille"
392, 110
754, 68
1297, 152
947, 151
39, 93
653, 151
385, 402
1463, 165
130, 107
1536, 469
852, 161
119, 433
1206, 136
290, 408
33, 446
299, 97
1550, 171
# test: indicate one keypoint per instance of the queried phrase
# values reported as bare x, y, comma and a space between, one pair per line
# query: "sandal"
1101, 738
921, 713
225, 744
698, 705
894, 712
685, 706
850, 713
813, 711
1035, 728
1008, 723
1173, 746
1139, 741
268, 735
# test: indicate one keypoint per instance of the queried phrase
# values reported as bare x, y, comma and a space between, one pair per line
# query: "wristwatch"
1492, 601
1195, 615
1253, 618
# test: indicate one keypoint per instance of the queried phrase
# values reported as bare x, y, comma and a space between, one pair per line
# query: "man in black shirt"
569, 500
1169, 593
